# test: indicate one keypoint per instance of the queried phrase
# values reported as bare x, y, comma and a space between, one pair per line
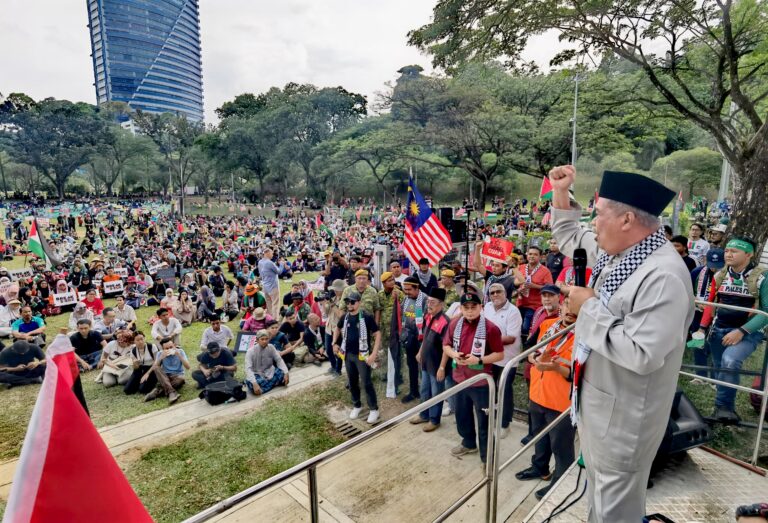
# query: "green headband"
740, 245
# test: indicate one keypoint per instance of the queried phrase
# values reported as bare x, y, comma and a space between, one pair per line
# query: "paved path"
165, 426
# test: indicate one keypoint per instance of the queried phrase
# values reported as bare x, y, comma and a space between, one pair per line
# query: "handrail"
497, 428
310, 465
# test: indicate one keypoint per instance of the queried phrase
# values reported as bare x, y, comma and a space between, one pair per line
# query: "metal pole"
314, 506
575, 108
466, 254
725, 173
490, 454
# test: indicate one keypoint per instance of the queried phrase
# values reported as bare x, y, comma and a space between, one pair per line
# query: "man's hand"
371, 359
441, 374
733, 337
562, 177
100, 364
206, 372
285, 379
545, 366
578, 296
418, 356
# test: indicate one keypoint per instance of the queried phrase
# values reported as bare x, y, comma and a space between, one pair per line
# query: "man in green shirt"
390, 296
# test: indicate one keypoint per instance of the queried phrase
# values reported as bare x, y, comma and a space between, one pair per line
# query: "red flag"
318, 220
64, 457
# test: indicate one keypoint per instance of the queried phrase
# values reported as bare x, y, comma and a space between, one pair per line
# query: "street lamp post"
575, 108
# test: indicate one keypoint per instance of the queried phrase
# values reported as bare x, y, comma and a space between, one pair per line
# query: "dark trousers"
202, 381
411, 346
506, 395
527, 315
472, 403
134, 384
358, 370
23, 377
559, 441
334, 360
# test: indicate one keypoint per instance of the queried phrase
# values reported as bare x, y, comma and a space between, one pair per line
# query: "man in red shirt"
532, 277
474, 345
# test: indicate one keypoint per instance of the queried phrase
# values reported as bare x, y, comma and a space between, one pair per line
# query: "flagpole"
466, 254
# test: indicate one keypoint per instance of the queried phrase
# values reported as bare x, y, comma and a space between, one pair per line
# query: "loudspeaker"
686, 429
458, 230
445, 215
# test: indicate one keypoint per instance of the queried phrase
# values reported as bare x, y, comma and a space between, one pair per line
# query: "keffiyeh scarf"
636, 257
363, 349
478, 342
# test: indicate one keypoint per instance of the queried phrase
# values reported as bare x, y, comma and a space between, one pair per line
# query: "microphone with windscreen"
580, 267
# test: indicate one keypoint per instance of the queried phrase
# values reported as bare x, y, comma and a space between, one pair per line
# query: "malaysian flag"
425, 236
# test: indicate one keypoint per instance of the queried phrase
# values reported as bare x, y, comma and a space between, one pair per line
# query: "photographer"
335, 268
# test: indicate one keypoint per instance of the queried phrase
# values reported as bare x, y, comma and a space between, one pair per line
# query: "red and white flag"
425, 236
66, 472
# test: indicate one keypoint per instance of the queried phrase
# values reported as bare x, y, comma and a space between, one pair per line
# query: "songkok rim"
361, 272
636, 190
470, 297
741, 245
437, 293
386, 276
412, 280
448, 273
262, 334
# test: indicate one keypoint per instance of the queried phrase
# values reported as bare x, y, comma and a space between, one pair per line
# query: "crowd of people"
432, 327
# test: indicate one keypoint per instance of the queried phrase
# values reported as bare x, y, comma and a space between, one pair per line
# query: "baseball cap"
354, 296
470, 297
716, 259
720, 227
213, 346
551, 289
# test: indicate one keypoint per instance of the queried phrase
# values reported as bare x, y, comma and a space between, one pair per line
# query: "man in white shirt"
500, 311
125, 312
166, 327
217, 333
697, 245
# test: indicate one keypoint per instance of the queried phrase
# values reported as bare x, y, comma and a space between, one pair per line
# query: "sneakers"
531, 473
525, 439
408, 398
542, 492
151, 396
447, 409
173, 397
355, 412
373, 417
697, 381
460, 450
430, 427
504, 432
416, 420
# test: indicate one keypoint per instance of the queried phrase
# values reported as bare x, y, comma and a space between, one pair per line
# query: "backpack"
754, 281
219, 392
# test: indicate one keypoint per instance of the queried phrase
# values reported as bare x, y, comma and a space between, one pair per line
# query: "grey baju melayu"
630, 377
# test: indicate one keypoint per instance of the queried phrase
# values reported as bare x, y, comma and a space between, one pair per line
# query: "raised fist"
562, 177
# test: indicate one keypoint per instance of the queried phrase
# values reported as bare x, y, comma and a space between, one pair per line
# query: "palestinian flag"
322, 226
39, 246
546, 189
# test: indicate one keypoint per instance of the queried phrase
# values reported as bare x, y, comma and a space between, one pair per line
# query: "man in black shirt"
216, 364
555, 259
293, 329
88, 345
680, 243
22, 363
353, 344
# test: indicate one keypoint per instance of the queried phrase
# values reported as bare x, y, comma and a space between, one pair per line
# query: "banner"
64, 298
154, 268
20, 274
113, 287
82, 294
497, 249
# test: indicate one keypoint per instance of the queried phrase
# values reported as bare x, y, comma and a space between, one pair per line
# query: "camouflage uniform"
451, 297
370, 299
387, 306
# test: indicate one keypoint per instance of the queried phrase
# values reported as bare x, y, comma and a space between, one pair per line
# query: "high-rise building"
147, 53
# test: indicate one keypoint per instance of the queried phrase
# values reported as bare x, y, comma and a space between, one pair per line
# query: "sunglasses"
350, 302
496, 292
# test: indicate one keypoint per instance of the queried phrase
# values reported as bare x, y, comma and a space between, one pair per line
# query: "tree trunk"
483, 195
5, 183
749, 216
60, 187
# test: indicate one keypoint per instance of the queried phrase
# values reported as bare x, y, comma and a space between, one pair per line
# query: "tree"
115, 155
247, 144
175, 135
704, 61
695, 168
4, 160
54, 136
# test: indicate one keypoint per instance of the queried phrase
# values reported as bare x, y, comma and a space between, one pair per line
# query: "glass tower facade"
147, 53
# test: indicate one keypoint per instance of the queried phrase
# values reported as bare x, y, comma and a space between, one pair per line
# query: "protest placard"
113, 287
497, 249
121, 271
154, 268
64, 298
20, 274
81, 295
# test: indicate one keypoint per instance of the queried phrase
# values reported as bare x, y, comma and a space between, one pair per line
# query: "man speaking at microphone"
630, 335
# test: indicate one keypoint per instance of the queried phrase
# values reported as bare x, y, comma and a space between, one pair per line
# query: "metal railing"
493, 468
310, 466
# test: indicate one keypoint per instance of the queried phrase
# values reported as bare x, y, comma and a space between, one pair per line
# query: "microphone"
580, 267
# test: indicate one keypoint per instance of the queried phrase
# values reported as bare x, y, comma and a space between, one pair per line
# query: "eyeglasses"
496, 292
350, 302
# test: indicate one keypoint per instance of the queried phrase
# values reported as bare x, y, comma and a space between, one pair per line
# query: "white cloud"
248, 46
